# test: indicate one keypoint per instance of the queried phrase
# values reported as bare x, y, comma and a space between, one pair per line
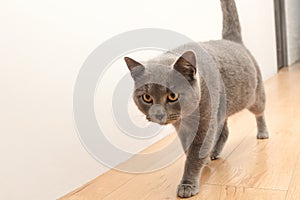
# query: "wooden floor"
248, 168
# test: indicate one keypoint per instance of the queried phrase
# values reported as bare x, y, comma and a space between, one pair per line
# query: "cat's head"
166, 88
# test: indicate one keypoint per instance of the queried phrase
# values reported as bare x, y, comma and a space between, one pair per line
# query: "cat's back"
228, 53
238, 71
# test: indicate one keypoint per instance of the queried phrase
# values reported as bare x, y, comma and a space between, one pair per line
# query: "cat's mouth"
170, 119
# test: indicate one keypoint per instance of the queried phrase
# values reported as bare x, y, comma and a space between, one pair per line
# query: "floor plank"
240, 193
100, 187
294, 187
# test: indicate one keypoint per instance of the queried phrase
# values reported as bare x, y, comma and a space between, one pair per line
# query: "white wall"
293, 30
258, 30
44, 43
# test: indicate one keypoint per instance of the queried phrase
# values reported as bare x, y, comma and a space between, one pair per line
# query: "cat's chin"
165, 123
159, 122
162, 123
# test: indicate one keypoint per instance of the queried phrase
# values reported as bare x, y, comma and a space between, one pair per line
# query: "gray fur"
231, 24
220, 142
243, 87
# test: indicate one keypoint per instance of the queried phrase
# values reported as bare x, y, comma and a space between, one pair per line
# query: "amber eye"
147, 98
173, 97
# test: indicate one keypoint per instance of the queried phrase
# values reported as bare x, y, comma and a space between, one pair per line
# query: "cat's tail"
231, 23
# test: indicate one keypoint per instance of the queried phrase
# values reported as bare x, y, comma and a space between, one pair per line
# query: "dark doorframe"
281, 38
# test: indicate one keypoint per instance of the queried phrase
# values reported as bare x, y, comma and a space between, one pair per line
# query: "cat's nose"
160, 116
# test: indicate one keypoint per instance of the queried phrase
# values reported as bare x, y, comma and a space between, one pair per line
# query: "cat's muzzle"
158, 114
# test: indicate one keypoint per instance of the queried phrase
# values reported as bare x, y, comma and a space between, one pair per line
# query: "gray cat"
185, 91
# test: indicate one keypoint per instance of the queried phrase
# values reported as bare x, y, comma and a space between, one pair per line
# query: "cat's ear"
186, 65
136, 68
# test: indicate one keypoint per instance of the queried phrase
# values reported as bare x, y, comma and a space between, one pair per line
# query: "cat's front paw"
214, 157
187, 190
262, 135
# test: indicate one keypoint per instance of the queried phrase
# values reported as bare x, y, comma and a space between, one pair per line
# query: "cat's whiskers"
171, 118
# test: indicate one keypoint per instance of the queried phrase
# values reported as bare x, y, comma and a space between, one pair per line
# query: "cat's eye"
147, 98
173, 97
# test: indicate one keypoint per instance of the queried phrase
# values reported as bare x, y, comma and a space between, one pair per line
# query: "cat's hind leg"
220, 142
262, 131
258, 110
